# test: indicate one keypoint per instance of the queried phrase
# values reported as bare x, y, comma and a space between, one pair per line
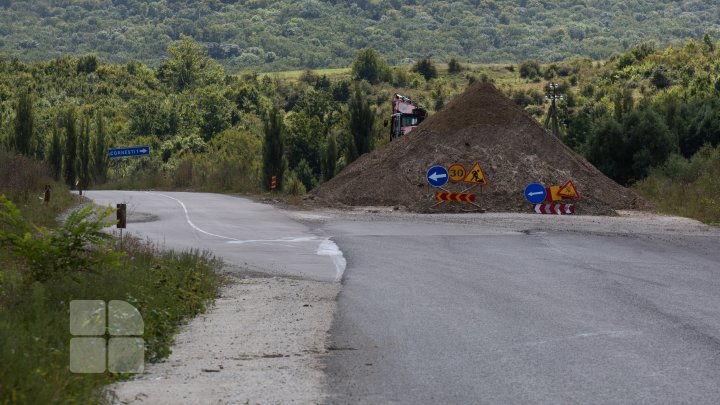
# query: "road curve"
263, 340
254, 236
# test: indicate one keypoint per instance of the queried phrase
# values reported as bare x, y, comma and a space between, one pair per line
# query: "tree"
100, 150
23, 141
215, 112
305, 175
55, 153
454, 66
303, 141
84, 157
704, 128
362, 121
530, 69
708, 44
329, 158
188, 66
368, 65
273, 151
607, 150
649, 142
660, 78
69, 124
426, 68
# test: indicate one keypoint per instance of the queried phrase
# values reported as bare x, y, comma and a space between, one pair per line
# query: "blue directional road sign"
437, 176
535, 193
125, 152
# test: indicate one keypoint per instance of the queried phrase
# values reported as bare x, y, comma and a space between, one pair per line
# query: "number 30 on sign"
457, 172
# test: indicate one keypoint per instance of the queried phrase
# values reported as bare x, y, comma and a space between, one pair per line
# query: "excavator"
406, 115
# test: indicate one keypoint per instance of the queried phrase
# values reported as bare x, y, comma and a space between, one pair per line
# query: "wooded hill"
206, 128
269, 35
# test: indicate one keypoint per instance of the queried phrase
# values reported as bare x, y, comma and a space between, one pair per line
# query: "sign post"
121, 220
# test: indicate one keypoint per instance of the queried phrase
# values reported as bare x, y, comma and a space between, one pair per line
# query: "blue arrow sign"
535, 193
124, 152
437, 176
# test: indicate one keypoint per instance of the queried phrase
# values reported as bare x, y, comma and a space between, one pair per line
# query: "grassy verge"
689, 188
43, 269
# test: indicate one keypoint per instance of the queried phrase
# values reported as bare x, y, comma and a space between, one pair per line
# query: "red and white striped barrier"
555, 209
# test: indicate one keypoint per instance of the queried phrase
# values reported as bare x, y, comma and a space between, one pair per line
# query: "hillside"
273, 35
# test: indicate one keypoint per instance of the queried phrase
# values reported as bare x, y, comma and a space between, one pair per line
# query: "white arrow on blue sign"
437, 176
124, 152
535, 193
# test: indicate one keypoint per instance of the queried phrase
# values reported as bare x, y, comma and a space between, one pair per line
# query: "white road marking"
287, 239
187, 218
329, 248
326, 248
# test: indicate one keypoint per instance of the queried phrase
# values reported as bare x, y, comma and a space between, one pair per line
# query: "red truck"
406, 115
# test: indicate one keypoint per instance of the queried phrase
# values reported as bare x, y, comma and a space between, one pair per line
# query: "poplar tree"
83, 158
99, 150
22, 140
273, 151
55, 153
69, 124
362, 121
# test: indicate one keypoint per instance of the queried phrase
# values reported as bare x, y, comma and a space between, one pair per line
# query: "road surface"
504, 312
246, 234
496, 309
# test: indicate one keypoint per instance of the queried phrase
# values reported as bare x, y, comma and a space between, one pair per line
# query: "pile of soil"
484, 126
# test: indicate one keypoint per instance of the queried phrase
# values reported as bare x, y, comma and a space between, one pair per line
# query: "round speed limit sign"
456, 172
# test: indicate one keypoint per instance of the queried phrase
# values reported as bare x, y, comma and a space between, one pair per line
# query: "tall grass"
689, 188
23, 181
43, 269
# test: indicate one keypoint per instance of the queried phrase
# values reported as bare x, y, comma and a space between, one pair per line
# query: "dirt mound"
484, 126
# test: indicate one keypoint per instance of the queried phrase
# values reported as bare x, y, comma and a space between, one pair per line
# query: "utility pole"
552, 111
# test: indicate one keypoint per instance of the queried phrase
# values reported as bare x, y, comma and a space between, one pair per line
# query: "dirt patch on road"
484, 126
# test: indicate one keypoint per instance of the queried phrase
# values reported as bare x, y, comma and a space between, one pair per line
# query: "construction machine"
406, 115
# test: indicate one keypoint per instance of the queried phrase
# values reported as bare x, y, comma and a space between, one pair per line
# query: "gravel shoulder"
261, 343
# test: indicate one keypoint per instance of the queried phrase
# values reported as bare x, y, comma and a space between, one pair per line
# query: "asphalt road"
497, 313
483, 309
245, 234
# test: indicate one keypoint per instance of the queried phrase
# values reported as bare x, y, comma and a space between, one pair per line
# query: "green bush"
49, 253
686, 187
426, 68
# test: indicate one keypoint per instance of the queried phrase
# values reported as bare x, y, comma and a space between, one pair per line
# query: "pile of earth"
483, 126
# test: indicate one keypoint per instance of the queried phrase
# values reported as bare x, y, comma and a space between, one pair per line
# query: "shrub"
530, 69
426, 68
74, 247
454, 66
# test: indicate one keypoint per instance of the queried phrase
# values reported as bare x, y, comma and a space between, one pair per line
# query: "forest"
281, 35
631, 115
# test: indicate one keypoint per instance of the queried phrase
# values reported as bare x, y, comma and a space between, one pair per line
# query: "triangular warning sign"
568, 190
475, 175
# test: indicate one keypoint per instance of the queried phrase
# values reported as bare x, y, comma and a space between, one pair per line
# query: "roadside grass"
43, 269
23, 180
689, 188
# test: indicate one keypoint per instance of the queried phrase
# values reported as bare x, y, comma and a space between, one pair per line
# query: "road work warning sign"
476, 176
